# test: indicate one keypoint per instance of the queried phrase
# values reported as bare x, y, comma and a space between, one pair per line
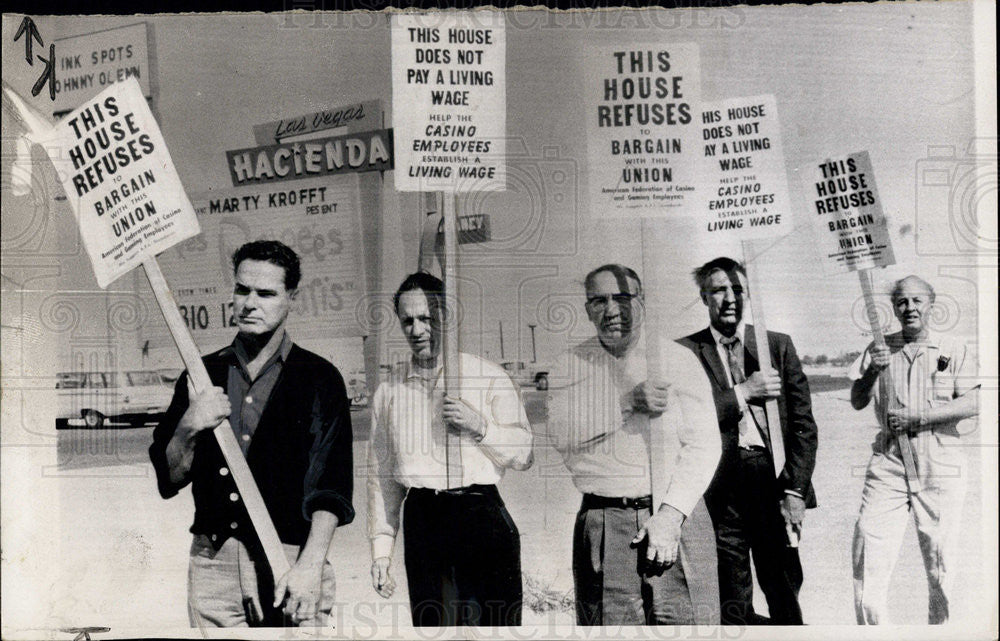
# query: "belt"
595, 502
752, 450
468, 490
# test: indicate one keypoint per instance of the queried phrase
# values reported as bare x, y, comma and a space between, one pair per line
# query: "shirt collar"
238, 350
933, 340
597, 348
740, 331
414, 371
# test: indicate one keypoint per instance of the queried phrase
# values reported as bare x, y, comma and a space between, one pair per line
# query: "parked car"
132, 396
525, 376
357, 389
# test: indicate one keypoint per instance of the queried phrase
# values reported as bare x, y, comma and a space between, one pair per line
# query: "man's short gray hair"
898, 287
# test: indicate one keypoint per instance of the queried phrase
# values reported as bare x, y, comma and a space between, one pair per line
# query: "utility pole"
534, 356
502, 358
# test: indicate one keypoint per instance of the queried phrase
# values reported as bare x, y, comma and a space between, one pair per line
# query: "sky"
894, 79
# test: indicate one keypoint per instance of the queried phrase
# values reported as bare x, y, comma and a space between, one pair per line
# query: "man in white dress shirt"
634, 562
445, 455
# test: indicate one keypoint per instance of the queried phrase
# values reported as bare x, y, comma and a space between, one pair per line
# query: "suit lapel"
750, 362
710, 355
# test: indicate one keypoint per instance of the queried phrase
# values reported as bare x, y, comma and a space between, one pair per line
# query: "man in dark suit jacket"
761, 488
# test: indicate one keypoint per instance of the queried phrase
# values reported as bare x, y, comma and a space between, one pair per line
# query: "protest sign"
851, 228
641, 139
449, 102
318, 219
127, 218
852, 235
120, 181
642, 106
93, 61
743, 193
744, 185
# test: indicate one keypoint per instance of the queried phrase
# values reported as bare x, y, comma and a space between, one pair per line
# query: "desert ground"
123, 550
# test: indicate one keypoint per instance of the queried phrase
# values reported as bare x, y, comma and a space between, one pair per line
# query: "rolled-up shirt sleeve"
697, 430
508, 438
385, 493
329, 480
860, 365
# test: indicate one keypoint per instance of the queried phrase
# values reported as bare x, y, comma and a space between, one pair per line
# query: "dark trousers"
463, 558
744, 508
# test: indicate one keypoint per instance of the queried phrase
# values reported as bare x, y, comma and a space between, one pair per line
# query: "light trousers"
885, 507
232, 587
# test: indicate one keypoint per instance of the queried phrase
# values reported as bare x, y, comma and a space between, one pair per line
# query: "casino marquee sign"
348, 153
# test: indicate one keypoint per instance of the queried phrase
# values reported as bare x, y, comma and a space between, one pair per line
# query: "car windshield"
143, 378
96, 380
70, 381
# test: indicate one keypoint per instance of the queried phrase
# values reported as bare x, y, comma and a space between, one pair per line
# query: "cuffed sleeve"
860, 364
385, 493
382, 545
697, 432
963, 366
329, 501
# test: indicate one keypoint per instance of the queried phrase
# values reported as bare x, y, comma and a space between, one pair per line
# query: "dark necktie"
734, 355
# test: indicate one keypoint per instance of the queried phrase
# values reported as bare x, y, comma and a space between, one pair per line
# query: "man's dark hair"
274, 252
722, 263
620, 272
430, 284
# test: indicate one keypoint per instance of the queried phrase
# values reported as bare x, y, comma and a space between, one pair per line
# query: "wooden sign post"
645, 171
885, 387
449, 335
659, 466
161, 198
750, 262
468, 154
746, 198
237, 463
853, 235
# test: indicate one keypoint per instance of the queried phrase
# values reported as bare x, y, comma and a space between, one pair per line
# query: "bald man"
931, 388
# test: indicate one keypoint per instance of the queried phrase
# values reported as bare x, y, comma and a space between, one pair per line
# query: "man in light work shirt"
445, 455
289, 410
636, 563
932, 386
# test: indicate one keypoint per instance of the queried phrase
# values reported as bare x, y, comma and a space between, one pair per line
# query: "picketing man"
444, 455
931, 387
289, 411
636, 563
763, 483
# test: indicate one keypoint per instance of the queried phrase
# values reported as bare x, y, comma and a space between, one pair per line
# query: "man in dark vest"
289, 411
762, 486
